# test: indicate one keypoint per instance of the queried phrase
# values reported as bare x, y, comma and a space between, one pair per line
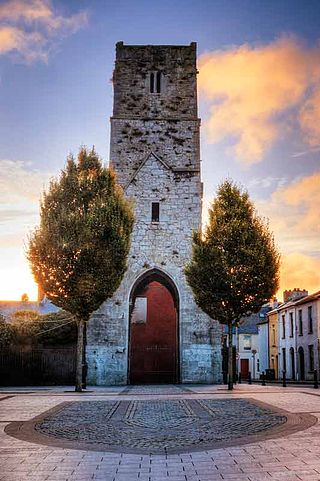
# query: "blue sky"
56, 61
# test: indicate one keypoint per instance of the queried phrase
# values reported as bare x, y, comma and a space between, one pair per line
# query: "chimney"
294, 295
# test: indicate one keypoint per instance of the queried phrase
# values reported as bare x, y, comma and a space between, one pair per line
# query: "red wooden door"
153, 337
244, 368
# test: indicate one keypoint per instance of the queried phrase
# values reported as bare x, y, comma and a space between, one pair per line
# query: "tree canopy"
49, 330
235, 265
78, 254
234, 268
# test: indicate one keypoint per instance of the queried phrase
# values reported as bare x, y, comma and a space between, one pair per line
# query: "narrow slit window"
158, 86
151, 82
155, 212
155, 82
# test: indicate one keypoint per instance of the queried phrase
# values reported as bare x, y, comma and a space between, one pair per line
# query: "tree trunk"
79, 361
230, 358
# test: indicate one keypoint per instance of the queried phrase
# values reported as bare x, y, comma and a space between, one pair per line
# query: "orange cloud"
310, 118
30, 28
251, 88
293, 213
304, 196
29, 10
299, 270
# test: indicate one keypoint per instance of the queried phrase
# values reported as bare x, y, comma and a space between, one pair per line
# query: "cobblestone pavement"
158, 426
290, 457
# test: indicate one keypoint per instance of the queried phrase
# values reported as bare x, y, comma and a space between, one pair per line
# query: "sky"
259, 100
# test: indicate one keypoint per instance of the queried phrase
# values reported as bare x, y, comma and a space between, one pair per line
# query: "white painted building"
263, 345
298, 336
246, 340
287, 340
307, 349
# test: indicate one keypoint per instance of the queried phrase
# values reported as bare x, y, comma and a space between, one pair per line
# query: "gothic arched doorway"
153, 335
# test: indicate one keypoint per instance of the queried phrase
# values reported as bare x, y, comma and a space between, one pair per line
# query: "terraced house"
299, 335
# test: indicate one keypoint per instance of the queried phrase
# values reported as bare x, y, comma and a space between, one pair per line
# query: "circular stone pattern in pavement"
157, 426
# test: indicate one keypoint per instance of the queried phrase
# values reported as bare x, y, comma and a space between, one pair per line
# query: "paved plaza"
153, 433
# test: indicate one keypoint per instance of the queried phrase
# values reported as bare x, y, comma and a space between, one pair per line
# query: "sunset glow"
259, 100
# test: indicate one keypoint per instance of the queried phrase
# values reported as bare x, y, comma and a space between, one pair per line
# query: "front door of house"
244, 368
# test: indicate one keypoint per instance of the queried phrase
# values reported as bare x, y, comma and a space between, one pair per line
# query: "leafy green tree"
6, 333
53, 329
235, 264
24, 315
78, 254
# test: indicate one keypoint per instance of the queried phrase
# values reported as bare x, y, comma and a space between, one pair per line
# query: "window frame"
300, 323
310, 320
155, 216
291, 324
155, 82
283, 317
311, 357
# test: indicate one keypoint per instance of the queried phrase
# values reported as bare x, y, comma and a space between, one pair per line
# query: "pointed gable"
143, 162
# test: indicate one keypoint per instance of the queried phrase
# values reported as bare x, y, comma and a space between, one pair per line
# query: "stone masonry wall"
155, 152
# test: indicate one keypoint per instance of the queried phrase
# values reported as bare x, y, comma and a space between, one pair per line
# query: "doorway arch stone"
153, 330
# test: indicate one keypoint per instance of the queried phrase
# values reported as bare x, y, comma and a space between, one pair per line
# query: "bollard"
284, 381
239, 380
249, 378
84, 375
225, 377
263, 375
315, 379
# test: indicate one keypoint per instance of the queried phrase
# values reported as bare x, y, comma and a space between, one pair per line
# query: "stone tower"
152, 331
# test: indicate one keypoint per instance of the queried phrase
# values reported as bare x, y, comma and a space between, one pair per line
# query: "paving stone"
158, 426
289, 458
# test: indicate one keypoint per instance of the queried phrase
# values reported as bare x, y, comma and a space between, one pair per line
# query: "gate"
37, 367
153, 335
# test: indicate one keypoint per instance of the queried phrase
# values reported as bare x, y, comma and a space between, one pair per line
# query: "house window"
291, 324
311, 357
258, 365
310, 325
300, 322
155, 212
151, 82
155, 82
283, 327
284, 362
247, 343
273, 336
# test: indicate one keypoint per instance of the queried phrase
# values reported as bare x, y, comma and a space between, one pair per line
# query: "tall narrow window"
311, 358
151, 82
155, 212
300, 322
155, 82
310, 320
158, 86
291, 324
283, 327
